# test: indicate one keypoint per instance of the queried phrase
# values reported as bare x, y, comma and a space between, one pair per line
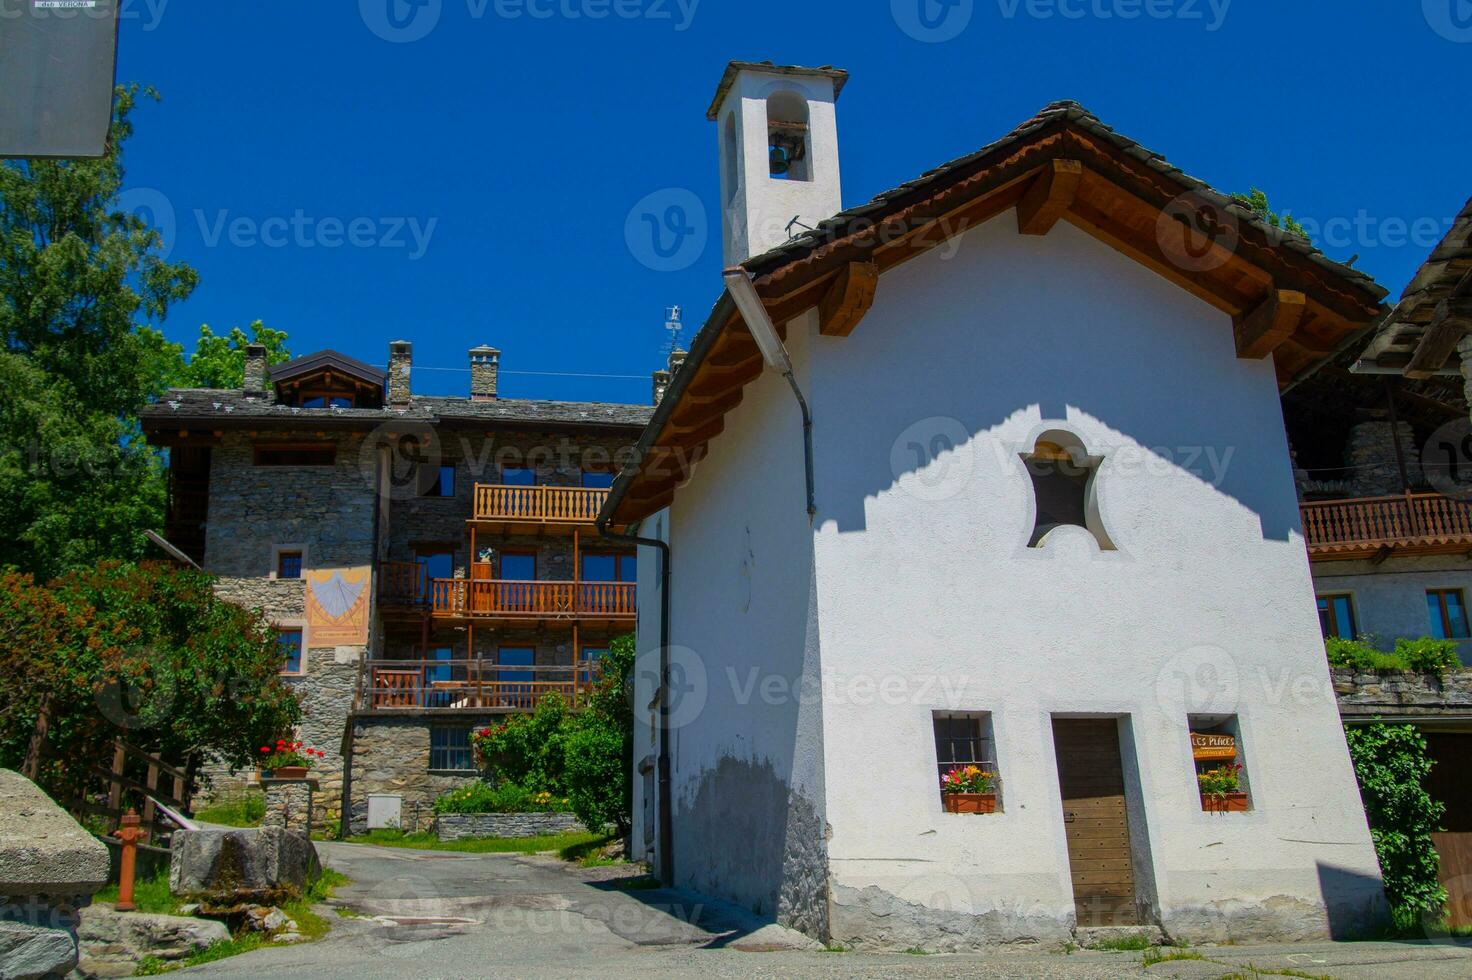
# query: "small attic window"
1063, 475
789, 148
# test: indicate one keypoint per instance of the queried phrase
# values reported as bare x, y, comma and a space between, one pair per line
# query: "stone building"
431, 563
1383, 460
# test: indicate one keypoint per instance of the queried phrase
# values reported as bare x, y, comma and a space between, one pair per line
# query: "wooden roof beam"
689, 418
1451, 321
1273, 321
848, 299
1049, 196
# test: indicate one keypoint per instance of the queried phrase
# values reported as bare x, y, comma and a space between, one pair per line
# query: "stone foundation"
1387, 694
457, 826
289, 803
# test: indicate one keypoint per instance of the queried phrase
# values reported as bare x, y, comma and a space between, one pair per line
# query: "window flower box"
1224, 802
970, 802
1221, 789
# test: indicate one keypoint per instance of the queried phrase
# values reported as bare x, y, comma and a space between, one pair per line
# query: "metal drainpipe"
666, 805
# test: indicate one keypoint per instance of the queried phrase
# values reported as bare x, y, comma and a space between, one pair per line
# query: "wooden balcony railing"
538, 505
469, 685
1425, 523
402, 583
532, 600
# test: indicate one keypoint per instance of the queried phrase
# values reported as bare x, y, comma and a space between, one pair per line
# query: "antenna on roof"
673, 323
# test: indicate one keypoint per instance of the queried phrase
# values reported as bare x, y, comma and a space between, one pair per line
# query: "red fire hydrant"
128, 833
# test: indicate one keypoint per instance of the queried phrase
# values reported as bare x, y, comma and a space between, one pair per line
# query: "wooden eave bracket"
1051, 194
1263, 330
848, 300
1451, 321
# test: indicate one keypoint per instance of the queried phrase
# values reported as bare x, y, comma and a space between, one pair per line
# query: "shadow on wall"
995, 344
1355, 903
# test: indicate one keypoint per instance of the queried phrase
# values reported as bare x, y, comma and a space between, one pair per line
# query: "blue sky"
331, 171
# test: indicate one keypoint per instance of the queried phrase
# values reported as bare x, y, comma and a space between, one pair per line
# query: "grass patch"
1153, 956
1253, 973
1133, 943
150, 895
917, 951
245, 810
835, 948
427, 841
246, 942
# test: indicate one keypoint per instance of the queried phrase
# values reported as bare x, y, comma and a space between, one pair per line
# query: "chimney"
485, 373
778, 131
662, 379
257, 380
400, 360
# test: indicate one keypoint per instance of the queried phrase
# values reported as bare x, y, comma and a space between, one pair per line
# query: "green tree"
83, 284
146, 652
1257, 201
1391, 764
219, 361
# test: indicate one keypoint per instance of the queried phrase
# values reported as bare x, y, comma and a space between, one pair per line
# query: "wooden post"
115, 786
151, 781
577, 572
128, 864
31, 766
577, 659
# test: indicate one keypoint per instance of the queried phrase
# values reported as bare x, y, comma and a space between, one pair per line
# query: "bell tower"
778, 130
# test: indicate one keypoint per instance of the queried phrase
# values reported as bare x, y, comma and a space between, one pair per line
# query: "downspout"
662, 766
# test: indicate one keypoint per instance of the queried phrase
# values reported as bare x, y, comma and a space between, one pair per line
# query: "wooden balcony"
543, 603
1377, 527
536, 510
478, 686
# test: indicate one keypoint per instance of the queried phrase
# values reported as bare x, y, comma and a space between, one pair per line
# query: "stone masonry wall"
391, 756
1388, 695
457, 826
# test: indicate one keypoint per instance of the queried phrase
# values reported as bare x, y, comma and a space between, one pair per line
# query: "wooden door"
1091, 778
1449, 785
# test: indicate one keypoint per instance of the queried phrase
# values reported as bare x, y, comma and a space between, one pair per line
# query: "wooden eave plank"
1050, 194
1451, 321
690, 418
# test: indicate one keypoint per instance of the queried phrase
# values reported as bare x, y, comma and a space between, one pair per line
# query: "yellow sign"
1212, 747
337, 606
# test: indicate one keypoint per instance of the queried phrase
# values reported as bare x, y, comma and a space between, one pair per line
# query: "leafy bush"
526, 749
1426, 655
147, 652
1429, 655
600, 746
1390, 763
508, 797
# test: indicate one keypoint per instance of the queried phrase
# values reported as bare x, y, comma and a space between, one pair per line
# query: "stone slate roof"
890, 201
221, 408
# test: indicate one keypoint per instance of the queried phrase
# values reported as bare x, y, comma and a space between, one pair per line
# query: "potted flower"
289, 760
969, 789
1221, 789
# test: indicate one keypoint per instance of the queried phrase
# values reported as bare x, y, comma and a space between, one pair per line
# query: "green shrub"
508, 797
1391, 765
1428, 655
597, 787
526, 749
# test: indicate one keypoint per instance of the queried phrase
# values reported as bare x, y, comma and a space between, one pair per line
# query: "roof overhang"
1421, 334
328, 360
735, 68
1286, 299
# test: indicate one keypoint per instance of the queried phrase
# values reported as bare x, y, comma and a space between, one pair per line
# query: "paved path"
437, 915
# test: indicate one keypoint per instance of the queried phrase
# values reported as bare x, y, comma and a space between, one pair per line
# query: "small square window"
288, 564
444, 482
1448, 614
963, 742
289, 646
1336, 616
449, 750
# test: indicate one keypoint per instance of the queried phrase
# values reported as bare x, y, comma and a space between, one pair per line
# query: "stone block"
30, 952
113, 942
43, 851
260, 866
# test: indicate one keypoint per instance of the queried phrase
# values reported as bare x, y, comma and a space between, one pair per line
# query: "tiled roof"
232, 408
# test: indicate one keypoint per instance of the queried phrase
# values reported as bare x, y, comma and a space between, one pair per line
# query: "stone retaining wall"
456, 826
1367, 694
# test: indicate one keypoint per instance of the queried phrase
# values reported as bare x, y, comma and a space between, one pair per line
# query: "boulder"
113, 942
262, 866
43, 851
29, 952
266, 919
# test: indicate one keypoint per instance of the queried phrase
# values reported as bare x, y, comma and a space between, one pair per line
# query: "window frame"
1440, 595
436, 490
298, 627
1333, 619
451, 753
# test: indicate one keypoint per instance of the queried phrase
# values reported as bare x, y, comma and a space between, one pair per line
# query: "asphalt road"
442, 915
